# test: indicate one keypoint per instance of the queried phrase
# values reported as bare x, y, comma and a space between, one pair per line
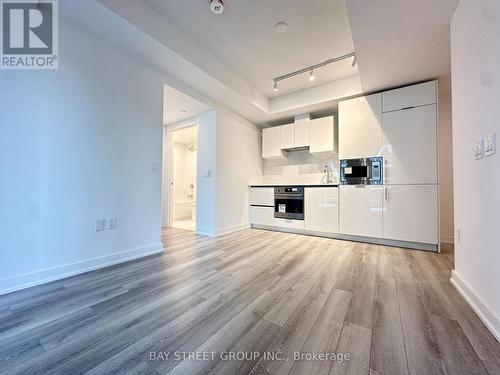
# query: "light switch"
100, 225
111, 223
490, 147
479, 149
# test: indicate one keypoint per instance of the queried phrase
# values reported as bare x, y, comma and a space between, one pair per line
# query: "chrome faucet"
326, 170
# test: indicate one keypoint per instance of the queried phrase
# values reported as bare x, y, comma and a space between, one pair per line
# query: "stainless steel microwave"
366, 171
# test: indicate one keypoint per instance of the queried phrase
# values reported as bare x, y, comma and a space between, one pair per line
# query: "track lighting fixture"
354, 61
310, 69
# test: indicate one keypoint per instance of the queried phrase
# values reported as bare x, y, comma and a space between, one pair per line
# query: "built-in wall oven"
366, 171
289, 202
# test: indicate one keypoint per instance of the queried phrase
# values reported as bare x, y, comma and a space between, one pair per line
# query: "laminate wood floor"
392, 310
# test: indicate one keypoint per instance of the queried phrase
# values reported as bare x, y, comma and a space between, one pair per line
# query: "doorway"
182, 176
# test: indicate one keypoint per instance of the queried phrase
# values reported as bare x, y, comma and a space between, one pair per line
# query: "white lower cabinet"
410, 213
361, 210
262, 215
288, 223
262, 196
321, 209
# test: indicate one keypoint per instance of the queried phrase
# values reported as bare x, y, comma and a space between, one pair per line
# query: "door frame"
168, 167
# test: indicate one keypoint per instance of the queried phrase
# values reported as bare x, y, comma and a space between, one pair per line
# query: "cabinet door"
287, 136
410, 96
321, 209
361, 210
410, 150
410, 213
301, 134
321, 135
262, 196
262, 215
271, 143
360, 127
289, 223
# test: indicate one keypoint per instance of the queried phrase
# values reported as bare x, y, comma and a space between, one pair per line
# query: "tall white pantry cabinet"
401, 125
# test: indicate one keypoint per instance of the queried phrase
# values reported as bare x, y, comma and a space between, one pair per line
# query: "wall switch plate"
490, 147
100, 225
479, 149
111, 223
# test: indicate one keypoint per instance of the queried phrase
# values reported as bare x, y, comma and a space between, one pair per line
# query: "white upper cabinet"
321, 209
301, 135
271, 143
321, 134
360, 127
361, 210
410, 96
410, 149
287, 133
410, 213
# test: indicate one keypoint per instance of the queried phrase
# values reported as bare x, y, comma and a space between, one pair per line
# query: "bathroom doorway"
183, 158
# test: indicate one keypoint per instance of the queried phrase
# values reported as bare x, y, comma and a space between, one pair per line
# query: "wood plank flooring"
392, 310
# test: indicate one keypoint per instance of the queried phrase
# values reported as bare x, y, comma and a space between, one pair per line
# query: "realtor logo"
29, 34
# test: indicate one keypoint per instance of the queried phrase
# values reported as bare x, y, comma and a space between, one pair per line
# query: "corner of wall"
481, 308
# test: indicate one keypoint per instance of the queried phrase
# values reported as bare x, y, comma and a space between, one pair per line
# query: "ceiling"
185, 136
401, 42
243, 38
229, 60
178, 106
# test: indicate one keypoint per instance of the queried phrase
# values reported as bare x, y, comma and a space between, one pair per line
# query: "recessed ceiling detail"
250, 39
178, 106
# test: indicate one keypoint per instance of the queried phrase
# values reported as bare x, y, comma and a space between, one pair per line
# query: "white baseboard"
205, 231
60, 272
222, 231
235, 228
478, 305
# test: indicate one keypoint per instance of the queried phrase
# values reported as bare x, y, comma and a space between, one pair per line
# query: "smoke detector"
217, 6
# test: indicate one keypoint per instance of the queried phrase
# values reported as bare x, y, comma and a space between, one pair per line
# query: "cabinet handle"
386, 193
385, 171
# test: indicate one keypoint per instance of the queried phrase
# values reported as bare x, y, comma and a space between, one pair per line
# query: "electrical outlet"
100, 225
479, 149
155, 167
111, 223
490, 147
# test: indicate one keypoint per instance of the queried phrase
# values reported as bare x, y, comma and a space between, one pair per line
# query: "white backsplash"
300, 167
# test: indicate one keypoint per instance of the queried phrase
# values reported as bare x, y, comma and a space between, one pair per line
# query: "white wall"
78, 144
239, 164
184, 177
445, 148
206, 188
300, 167
475, 57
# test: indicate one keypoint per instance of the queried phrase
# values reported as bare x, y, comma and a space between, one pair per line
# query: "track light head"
354, 61
311, 75
275, 88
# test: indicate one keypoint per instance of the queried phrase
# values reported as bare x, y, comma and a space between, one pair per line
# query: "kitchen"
252, 187
381, 189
